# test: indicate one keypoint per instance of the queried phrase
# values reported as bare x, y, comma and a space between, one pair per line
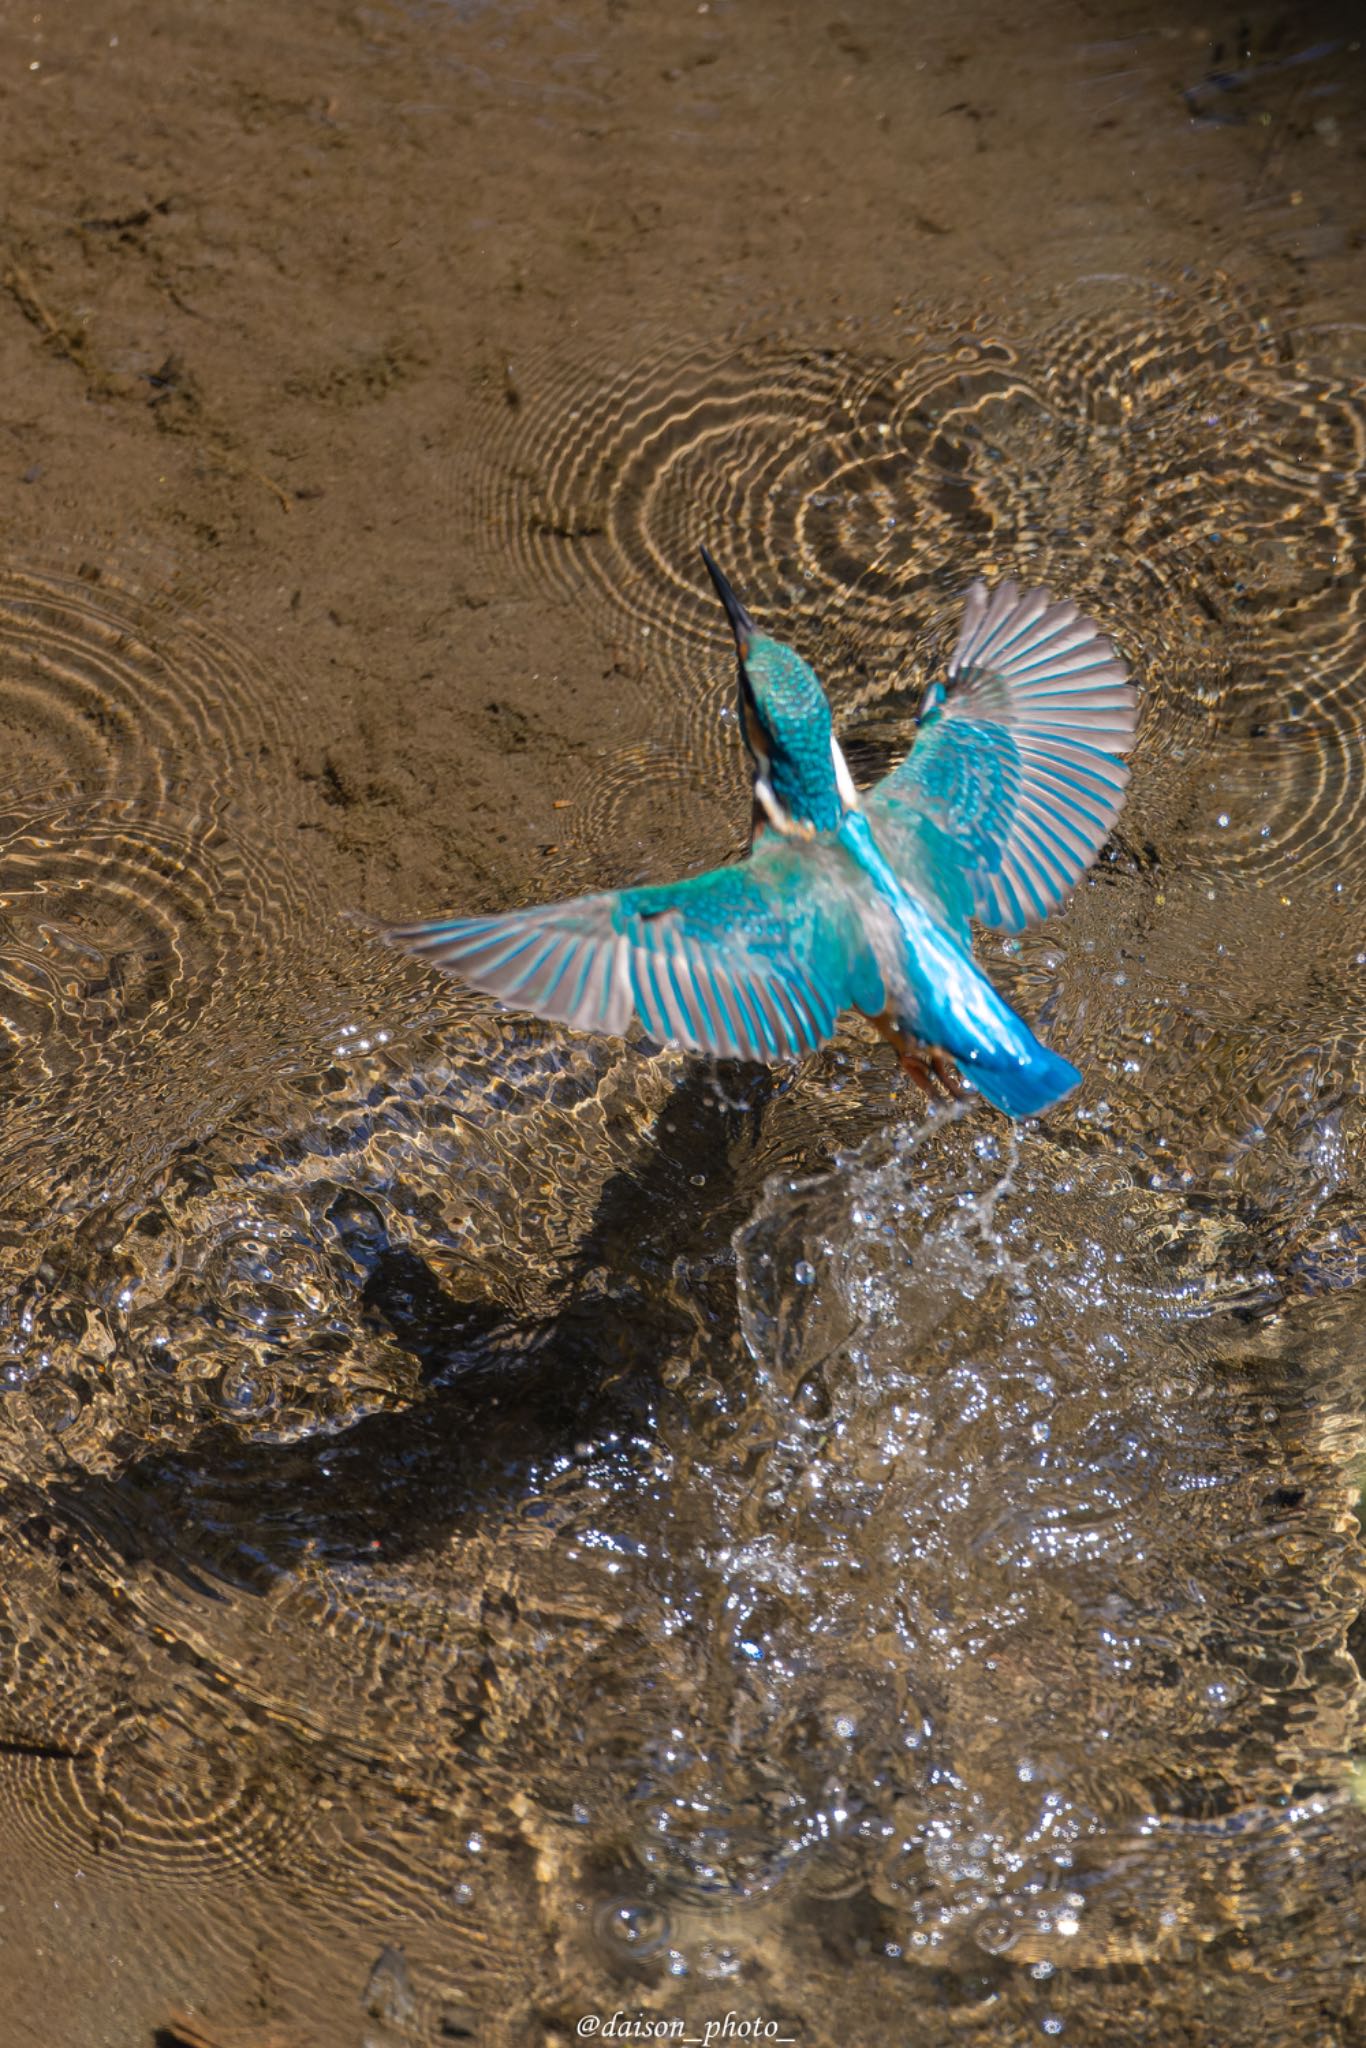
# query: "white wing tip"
1007, 629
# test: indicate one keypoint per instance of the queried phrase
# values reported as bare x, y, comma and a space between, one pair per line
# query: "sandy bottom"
450, 1589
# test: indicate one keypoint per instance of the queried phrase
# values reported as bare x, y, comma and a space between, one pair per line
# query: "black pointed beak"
741, 624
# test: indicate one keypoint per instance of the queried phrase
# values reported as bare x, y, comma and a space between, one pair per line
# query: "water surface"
499, 1527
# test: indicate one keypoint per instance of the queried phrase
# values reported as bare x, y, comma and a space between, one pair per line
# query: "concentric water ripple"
143, 879
146, 1799
1170, 459
401, 1528
105, 693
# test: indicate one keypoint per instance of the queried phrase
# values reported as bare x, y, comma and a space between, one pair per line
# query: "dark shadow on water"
504, 1399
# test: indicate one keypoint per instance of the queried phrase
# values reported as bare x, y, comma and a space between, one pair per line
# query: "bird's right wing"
753, 961
1015, 777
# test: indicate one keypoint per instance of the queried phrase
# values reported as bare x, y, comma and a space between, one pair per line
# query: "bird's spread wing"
1015, 778
749, 962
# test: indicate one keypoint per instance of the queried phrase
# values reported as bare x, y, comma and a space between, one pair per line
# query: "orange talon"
918, 1071
926, 1065
947, 1074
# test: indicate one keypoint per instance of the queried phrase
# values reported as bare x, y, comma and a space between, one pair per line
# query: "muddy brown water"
502, 1530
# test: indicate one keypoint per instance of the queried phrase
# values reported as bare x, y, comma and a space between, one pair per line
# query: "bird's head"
802, 782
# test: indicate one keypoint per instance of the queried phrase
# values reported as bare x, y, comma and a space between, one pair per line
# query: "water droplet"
996, 1932
635, 1925
804, 1273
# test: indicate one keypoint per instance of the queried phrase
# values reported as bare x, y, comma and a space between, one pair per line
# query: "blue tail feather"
1001, 1056
1033, 1081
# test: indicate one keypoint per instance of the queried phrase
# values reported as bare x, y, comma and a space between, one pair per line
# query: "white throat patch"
844, 781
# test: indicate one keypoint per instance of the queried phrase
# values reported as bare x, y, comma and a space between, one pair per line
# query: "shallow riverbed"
502, 1529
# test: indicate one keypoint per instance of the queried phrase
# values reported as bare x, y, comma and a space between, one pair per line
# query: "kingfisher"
847, 900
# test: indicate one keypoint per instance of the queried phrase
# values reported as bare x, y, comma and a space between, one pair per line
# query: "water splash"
462, 1480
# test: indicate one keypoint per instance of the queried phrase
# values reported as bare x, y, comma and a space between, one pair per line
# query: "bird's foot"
928, 1065
912, 1064
932, 1071
947, 1074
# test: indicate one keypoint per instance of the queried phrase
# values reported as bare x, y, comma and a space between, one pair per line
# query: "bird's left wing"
753, 961
1015, 777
